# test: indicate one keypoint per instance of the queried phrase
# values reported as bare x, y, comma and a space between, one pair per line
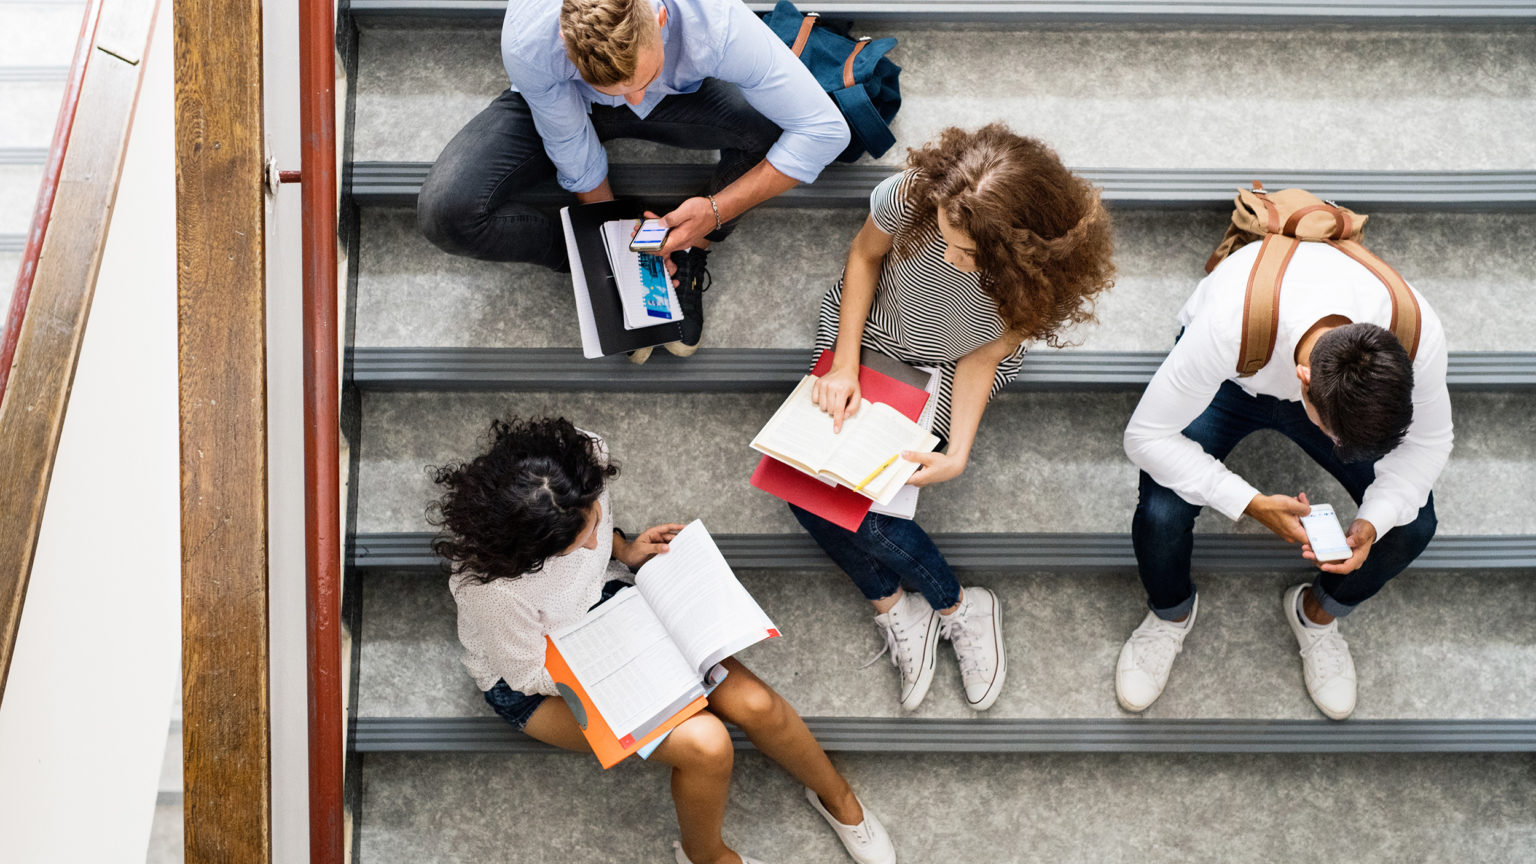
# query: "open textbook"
864, 456
639, 664
645, 291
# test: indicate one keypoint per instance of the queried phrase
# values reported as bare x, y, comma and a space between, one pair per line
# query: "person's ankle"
959, 601
886, 604
1312, 612
844, 806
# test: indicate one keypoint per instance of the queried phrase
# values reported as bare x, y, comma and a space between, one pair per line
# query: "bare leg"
1313, 610
778, 732
700, 753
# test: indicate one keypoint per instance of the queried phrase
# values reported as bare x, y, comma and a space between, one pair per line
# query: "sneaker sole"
919, 690
996, 689
679, 349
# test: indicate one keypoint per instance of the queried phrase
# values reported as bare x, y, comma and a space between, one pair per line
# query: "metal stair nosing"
769, 369
1017, 553
981, 735
397, 183
1187, 13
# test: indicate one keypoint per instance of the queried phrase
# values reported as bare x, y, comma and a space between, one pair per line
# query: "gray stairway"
1234, 762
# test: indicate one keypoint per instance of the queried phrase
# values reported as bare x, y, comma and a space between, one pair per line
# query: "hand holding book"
837, 393
650, 543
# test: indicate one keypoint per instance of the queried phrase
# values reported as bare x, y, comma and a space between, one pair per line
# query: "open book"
864, 456
645, 291
643, 661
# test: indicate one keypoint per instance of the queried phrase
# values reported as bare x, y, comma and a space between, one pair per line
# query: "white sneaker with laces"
866, 842
1326, 665
976, 632
677, 851
1147, 658
911, 631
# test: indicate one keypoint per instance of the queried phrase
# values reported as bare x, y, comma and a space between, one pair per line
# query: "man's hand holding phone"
1361, 536
689, 223
651, 219
1281, 514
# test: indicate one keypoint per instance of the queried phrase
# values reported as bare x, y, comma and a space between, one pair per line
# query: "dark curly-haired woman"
529, 535
985, 243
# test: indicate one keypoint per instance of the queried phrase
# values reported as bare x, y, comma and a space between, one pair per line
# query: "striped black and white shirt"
925, 312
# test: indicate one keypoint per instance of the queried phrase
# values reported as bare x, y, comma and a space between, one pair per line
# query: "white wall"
285, 444
83, 724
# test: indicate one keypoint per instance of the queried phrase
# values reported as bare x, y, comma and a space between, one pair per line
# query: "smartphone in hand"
1325, 535
650, 237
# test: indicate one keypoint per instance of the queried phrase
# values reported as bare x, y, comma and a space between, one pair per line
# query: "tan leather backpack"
1283, 220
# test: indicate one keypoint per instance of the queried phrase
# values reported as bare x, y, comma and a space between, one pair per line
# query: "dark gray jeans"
469, 203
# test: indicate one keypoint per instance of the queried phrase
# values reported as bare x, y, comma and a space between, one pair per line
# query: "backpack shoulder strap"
1406, 324
1261, 304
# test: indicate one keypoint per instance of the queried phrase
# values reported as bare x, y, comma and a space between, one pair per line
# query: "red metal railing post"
322, 428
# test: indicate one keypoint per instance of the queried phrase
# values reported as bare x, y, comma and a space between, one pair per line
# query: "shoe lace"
1154, 648
893, 645
1327, 651
965, 640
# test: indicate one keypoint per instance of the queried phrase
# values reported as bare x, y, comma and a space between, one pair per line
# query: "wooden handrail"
322, 430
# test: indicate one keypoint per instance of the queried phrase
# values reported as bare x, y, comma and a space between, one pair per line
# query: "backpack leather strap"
1340, 221
1261, 305
804, 35
1405, 324
848, 64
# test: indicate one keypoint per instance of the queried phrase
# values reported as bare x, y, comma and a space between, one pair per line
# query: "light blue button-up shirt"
702, 39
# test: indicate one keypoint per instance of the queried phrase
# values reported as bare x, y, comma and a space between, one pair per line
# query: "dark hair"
523, 501
1362, 388
1043, 240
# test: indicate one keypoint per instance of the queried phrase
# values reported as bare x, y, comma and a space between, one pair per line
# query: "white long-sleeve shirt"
1319, 282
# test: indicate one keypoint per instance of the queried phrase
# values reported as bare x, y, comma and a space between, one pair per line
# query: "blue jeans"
469, 204
885, 554
1163, 527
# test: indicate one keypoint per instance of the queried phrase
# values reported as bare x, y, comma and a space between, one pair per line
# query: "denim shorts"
515, 706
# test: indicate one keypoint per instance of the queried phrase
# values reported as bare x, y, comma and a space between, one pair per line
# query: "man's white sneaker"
1147, 658
866, 842
677, 851
1325, 661
911, 631
976, 632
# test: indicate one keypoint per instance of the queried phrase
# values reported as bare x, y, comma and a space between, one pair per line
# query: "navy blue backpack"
854, 72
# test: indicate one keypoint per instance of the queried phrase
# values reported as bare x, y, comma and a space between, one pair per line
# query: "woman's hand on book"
650, 543
837, 393
937, 467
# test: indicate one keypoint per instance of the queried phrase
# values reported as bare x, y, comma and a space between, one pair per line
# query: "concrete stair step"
1043, 462
954, 807
1426, 649
1105, 97
1472, 268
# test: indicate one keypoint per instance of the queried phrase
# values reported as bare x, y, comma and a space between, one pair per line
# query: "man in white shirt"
1339, 385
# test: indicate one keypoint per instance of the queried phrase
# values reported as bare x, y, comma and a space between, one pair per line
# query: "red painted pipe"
322, 428
43, 211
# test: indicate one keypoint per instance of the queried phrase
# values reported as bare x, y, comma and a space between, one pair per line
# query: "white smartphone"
650, 237
1325, 534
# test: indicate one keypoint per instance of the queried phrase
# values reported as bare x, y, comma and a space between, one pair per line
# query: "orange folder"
609, 748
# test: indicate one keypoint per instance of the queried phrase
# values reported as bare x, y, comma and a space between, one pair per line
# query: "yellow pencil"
877, 472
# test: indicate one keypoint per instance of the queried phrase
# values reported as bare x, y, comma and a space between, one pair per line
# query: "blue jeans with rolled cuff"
1162, 530
885, 554
472, 200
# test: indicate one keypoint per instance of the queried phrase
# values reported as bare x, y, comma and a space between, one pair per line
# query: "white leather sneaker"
866, 842
976, 632
1147, 658
1325, 661
911, 631
677, 851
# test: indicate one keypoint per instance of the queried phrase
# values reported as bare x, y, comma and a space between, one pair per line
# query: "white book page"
697, 598
883, 432
903, 503
625, 263
801, 433
624, 659
591, 345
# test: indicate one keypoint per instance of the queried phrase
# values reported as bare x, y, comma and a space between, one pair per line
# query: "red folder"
837, 504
